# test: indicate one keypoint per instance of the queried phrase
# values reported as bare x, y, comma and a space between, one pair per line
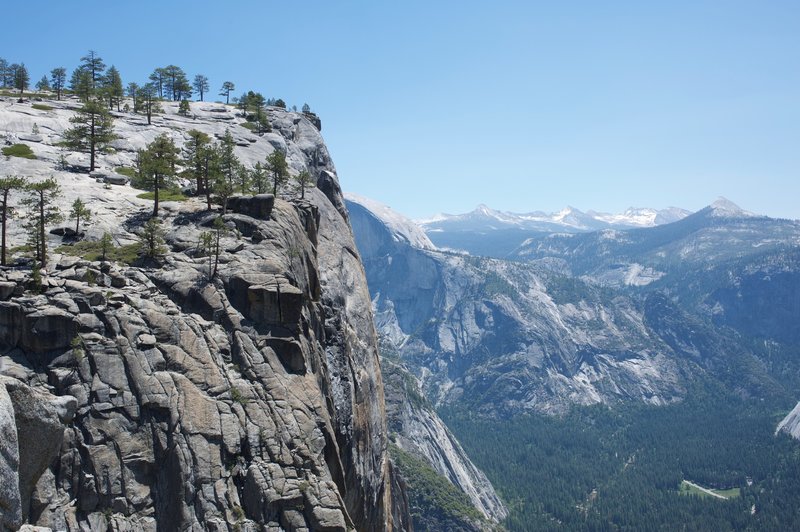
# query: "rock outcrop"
252, 400
415, 427
791, 423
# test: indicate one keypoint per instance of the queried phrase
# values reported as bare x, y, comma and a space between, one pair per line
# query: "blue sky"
439, 106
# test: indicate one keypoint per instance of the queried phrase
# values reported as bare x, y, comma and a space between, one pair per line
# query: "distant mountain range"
489, 232
581, 317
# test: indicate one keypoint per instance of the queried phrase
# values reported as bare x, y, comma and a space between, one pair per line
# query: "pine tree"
306, 108
8, 185
41, 200
152, 239
147, 101
21, 79
276, 162
226, 90
94, 65
106, 245
157, 77
58, 78
113, 88
303, 180
80, 83
133, 93
176, 83
43, 84
195, 158
223, 189
200, 85
79, 212
184, 108
228, 162
158, 161
243, 179
211, 171
259, 178
94, 128
5, 74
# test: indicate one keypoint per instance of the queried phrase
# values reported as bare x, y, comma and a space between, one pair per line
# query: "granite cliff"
152, 397
604, 317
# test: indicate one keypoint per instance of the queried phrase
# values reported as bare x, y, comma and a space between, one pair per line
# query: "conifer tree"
184, 108
80, 83
195, 159
211, 171
157, 78
79, 212
113, 88
21, 79
43, 84
41, 200
176, 84
94, 128
133, 93
158, 161
58, 79
152, 239
5, 73
228, 162
223, 189
226, 90
276, 162
303, 180
147, 101
94, 65
259, 178
8, 185
106, 245
200, 85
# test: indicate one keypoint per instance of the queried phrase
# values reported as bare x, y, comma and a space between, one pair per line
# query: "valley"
596, 371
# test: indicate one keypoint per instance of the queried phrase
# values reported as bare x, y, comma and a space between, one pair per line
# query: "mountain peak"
726, 208
402, 228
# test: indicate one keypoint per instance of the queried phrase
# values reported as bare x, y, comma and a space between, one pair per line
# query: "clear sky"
434, 106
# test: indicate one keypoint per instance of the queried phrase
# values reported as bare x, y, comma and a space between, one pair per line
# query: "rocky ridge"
502, 337
252, 401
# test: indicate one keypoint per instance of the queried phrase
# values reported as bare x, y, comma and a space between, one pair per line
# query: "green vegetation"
41, 203
496, 285
687, 488
156, 164
436, 504
250, 126
42, 107
19, 150
237, 396
94, 129
164, 195
93, 250
548, 468
8, 185
126, 171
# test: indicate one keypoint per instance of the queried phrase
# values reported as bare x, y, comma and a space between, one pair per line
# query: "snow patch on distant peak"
724, 207
402, 228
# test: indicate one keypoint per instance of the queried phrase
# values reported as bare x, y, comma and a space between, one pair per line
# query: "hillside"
180, 400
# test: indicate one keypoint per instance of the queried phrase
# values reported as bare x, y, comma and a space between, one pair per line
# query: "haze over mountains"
486, 231
586, 316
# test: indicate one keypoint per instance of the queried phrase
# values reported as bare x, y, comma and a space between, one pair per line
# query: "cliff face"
415, 427
505, 337
791, 423
254, 398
